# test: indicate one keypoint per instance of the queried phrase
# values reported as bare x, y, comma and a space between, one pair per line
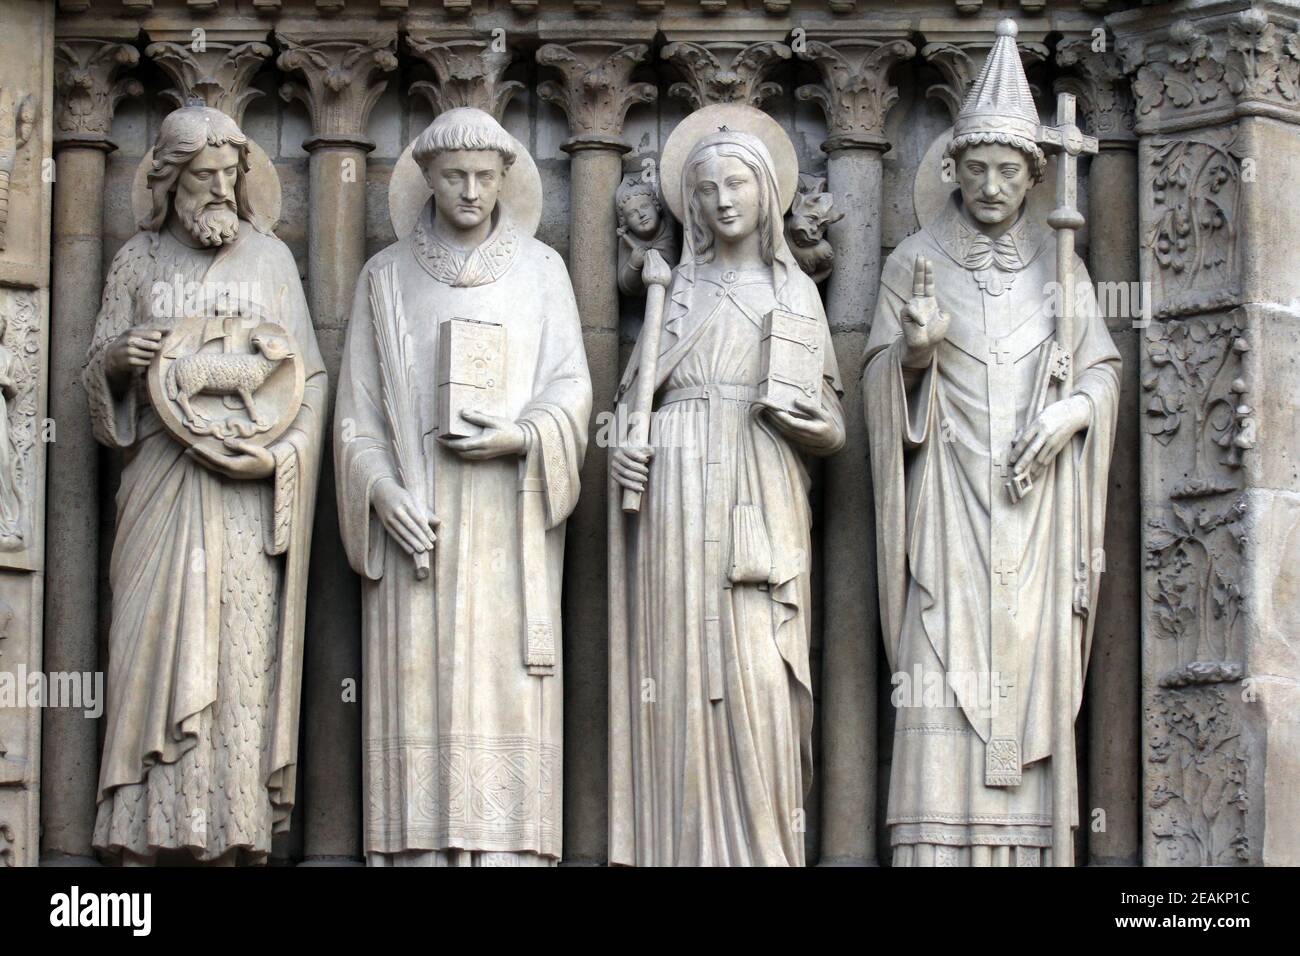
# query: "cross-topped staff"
1068, 141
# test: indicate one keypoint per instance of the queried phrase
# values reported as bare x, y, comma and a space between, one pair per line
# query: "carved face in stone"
204, 199
641, 216
727, 195
994, 180
465, 184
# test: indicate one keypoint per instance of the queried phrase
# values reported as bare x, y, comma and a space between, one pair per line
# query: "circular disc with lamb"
224, 379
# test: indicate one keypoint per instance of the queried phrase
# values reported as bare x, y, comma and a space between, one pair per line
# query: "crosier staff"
1066, 139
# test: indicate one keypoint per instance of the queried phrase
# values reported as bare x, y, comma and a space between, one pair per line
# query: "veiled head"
730, 194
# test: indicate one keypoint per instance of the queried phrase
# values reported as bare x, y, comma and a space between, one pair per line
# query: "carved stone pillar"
594, 89
469, 73
87, 89
344, 79
1113, 686
26, 131
855, 94
1219, 130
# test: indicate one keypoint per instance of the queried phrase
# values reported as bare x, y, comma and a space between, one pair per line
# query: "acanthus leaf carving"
343, 81
1101, 87
87, 87
855, 93
468, 72
595, 90
219, 73
725, 71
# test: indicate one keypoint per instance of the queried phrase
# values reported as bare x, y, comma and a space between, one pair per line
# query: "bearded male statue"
209, 565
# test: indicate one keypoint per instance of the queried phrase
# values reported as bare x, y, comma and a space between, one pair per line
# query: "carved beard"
210, 225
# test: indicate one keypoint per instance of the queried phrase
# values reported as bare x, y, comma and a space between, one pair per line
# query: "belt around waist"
731, 393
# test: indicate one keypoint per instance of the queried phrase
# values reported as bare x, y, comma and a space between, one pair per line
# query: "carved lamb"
217, 373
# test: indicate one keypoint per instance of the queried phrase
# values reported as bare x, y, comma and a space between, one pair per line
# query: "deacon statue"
990, 398
461, 425
214, 513
710, 573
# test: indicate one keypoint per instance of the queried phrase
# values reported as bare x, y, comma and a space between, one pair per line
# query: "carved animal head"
812, 211
271, 344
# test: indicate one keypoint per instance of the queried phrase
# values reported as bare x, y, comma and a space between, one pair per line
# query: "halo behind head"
714, 122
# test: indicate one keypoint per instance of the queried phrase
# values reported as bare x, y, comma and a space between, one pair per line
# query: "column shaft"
1114, 683
595, 173
336, 248
851, 631
69, 757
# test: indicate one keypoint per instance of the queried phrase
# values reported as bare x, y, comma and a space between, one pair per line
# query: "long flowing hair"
702, 238
183, 135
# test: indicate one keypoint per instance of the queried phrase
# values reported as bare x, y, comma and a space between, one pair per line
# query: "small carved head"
813, 210
200, 167
995, 172
465, 156
639, 211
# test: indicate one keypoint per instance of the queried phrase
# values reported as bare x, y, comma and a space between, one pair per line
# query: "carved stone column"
1112, 691
26, 132
469, 73
1219, 130
344, 79
87, 89
855, 94
594, 89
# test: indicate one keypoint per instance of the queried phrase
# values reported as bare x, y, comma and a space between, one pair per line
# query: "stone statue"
811, 215
642, 225
461, 425
986, 570
710, 586
209, 567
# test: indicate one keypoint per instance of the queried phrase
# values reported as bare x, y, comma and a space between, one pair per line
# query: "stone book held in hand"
471, 373
792, 359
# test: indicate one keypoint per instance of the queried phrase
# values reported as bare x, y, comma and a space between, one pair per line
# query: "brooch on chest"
993, 281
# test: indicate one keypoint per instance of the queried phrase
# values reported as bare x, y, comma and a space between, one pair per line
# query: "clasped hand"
500, 436
1047, 434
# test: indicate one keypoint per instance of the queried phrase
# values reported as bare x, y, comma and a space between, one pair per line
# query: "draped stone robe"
462, 737
209, 580
711, 693
970, 587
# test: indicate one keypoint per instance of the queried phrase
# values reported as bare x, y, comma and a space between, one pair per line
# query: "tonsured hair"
463, 129
702, 237
183, 135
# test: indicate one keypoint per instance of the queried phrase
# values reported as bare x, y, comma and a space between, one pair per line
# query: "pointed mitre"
1000, 102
